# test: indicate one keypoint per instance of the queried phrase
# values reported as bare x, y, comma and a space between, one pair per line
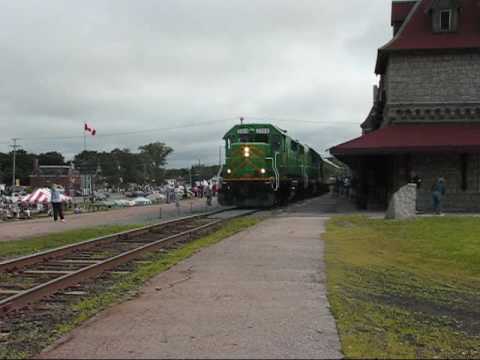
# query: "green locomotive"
264, 166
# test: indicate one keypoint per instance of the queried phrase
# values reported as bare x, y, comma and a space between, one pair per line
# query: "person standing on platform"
438, 192
209, 194
57, 206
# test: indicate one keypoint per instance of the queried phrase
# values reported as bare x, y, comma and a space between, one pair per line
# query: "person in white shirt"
57, 206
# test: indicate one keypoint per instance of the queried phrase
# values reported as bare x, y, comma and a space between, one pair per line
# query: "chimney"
36, 167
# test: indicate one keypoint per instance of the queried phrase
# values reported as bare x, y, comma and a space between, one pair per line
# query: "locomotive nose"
248, 160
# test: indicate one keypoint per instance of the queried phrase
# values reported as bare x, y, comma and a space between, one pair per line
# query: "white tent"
42, 196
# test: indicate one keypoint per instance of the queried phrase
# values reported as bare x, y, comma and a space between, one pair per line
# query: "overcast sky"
183, 71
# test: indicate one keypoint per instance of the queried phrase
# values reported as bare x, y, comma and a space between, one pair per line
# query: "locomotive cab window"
262, 138
294, 146
244, 138
256, 138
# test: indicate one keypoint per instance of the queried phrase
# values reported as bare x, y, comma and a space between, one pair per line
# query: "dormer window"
446, 20
445, 15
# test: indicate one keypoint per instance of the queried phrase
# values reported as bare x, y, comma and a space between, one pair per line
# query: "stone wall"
431, 166
433, 87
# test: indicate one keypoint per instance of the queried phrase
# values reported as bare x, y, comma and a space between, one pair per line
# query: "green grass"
405, 289
32, 340
14, 248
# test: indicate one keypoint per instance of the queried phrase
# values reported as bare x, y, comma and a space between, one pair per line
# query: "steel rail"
21, 262
27, 297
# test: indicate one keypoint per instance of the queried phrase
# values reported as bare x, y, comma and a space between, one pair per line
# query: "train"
265, 167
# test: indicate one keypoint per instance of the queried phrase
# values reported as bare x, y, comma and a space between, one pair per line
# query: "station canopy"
412, 138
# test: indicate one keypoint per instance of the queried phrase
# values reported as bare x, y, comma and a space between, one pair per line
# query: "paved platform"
258, 294
132, 215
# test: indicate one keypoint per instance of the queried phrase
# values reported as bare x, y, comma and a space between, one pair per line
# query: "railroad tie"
9, 292
76, 261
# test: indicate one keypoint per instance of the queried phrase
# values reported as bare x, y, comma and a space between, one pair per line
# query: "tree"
86, 162
4, 163
128, 165
154, 157
201, 172
23, 166
51, 158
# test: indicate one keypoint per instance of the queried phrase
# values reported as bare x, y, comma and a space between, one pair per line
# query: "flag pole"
84, 139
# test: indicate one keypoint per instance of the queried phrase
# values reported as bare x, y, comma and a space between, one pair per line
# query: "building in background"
425, 119
64, 175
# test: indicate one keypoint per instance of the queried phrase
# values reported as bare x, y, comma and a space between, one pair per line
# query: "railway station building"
425, 119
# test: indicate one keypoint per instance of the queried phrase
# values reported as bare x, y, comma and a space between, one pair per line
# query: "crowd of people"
200, 189
14, 209
344, 186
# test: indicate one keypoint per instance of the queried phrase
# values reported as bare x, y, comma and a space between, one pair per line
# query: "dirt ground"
258, 294
133, 215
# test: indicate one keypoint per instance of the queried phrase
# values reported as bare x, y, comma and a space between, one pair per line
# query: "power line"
47, 138
185, 126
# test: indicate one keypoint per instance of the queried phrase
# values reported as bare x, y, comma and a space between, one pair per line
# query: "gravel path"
258, 294
133, 215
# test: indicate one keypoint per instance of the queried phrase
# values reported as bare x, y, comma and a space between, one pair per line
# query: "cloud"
125, 66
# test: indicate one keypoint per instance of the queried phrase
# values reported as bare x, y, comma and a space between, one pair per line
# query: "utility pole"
14, 147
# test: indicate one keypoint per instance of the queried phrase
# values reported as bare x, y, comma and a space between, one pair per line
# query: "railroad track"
26, 280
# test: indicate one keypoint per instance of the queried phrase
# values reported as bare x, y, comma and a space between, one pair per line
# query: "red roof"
416, 33
414, 138
400, 10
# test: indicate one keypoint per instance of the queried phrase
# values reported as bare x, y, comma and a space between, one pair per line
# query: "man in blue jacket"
438, 192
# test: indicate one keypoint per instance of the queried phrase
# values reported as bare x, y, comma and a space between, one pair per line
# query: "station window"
446, 20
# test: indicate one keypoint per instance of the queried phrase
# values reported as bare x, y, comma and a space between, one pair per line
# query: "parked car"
101, 196
129, 194
156, 197
122, 202
107, 203
142, 201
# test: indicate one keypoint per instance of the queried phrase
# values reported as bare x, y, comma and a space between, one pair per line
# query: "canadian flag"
90, 129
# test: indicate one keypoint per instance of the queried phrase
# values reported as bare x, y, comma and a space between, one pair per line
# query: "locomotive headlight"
246, 151
229, 171
263, 171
